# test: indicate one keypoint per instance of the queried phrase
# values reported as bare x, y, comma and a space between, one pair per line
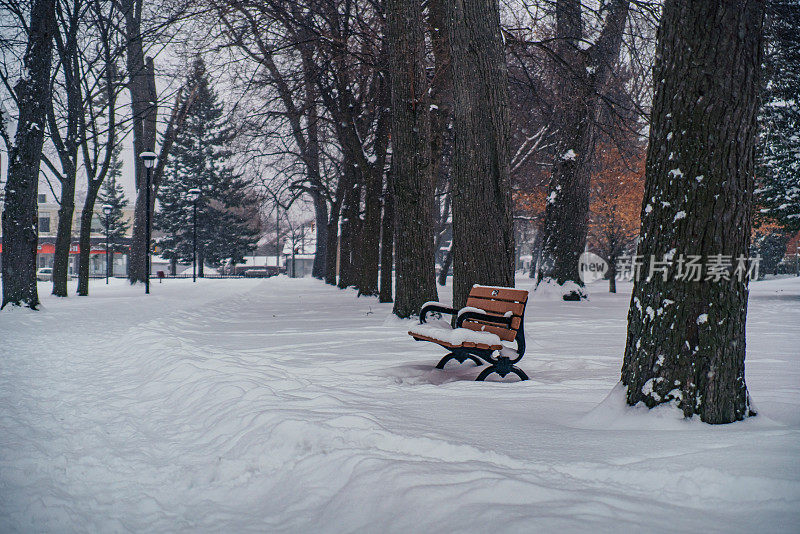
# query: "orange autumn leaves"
615, 204
616, 190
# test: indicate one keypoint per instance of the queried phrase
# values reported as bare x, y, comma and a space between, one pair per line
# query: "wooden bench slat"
503, 333
503, 293
468, 344
496, 306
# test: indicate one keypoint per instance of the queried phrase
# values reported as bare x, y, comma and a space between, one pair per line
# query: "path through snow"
289, 406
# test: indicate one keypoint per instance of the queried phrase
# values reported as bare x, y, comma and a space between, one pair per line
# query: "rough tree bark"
445, 270
142, 86
387, 243
411, 153
582, 76
370, 234
20, 212
441, 89
483, 233
686, 339
331, 250
349, 250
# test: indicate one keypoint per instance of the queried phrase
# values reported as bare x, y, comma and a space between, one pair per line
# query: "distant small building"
299, 265
299, 249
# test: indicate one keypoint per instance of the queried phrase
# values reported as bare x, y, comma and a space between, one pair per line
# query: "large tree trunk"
411, 154
20, 212
371, 230
85, 239
332, 249
85, 244
582, 76
686, 339
310, 151
319, 269
447, 262
63, 237
441, 101
387, 243
483, 233
348, 247
142, 86
66, 40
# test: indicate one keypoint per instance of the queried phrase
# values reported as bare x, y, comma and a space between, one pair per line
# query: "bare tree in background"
65, 110
144, 117
582, 77
98, 122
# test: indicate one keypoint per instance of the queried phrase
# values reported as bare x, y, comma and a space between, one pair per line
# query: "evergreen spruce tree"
779, 172
113, 194
201, 160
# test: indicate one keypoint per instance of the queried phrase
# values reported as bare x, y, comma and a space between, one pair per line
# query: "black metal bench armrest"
467, 315
434, 307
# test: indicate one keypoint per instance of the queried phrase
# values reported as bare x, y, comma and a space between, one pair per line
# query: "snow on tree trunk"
686, 340
20, 224
483, 233
349, 252
411, 159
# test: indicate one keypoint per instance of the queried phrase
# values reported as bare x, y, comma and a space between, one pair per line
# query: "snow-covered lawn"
285, 405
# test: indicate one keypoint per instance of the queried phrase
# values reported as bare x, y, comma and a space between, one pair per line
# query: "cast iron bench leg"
502, 368
461, 358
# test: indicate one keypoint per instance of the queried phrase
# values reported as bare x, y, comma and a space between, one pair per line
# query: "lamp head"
107, 209
149, 159
193, 194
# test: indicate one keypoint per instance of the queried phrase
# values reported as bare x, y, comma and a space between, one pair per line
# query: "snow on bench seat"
440, 332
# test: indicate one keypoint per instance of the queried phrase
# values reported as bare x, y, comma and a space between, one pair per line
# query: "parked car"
257, 273
45, 274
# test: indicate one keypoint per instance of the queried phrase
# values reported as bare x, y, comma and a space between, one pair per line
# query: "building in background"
48, 225
299, 247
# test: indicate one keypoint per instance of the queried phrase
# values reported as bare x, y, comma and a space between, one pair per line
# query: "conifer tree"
779, 149
201, 160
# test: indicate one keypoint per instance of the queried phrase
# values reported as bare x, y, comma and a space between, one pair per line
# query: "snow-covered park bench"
492, 316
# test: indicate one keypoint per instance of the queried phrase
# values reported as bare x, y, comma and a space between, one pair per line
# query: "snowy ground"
285, 405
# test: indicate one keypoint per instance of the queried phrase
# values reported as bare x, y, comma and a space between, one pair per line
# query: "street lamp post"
194, 195
107, 209
797, 260
149, 160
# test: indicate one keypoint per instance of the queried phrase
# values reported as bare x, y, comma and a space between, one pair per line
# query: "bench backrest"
497, 301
